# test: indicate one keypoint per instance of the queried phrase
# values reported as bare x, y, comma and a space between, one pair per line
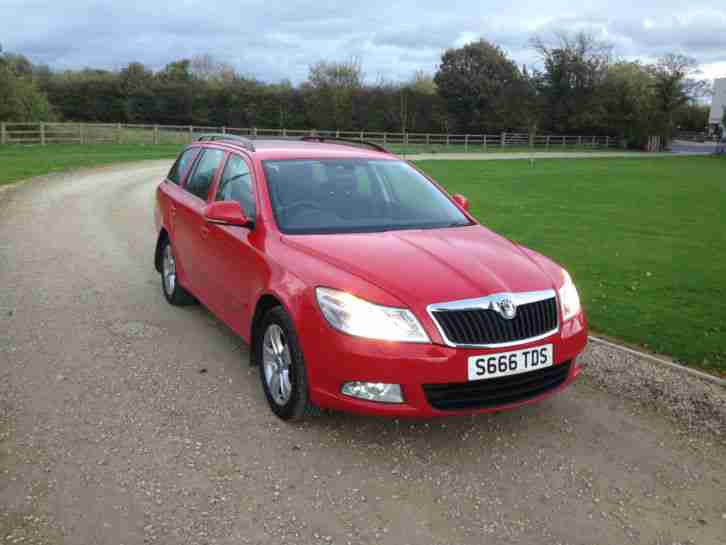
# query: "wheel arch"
163, 237
265, 303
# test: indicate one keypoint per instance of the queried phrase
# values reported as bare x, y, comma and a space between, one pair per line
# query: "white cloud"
274, 40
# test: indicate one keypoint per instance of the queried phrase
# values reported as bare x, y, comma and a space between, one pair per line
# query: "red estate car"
359, 283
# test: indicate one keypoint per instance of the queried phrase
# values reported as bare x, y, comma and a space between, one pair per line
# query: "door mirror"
462, 201
227, 213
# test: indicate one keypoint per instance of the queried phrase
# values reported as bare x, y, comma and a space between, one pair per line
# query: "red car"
359, 283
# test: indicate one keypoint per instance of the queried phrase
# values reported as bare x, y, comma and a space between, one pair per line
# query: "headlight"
355, 316
569, 298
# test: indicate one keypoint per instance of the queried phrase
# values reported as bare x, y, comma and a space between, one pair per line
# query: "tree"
177, 71
574, 68
21, 99
693, 117
675, 87
423, 83
626, 97
331, 90
136, 84
206, 67
474, 81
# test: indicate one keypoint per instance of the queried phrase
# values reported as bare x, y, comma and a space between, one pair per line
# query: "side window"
203, 175
236, 185
182, 165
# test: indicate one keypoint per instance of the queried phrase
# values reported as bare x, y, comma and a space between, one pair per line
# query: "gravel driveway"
124, 420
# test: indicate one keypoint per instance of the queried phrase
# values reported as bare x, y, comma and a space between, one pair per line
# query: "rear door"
190, 228
169, 192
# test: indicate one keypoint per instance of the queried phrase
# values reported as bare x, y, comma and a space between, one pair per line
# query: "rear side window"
203, 175
182, 165
236, 185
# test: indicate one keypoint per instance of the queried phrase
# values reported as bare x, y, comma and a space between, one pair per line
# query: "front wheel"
173, 291
282, 367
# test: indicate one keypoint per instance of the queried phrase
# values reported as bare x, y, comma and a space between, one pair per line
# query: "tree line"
580, 88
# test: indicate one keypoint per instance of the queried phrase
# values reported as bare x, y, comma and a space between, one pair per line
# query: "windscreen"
355, 196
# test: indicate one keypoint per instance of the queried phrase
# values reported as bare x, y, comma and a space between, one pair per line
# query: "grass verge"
19, 162
643, 238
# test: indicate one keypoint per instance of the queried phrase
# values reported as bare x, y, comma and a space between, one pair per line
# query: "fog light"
374, 391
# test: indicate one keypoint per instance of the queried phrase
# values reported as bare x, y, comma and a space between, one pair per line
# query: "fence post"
593, 142
119, 135
284, 132
362, 136
428, 139
42, 133
385, 138
3, 134
504, 140
224, 130
191, 133
547, 142
81, 135
564, 141
448, 139
156, 134
484, 141
531, 140
466, 143
607, 141
579, 141
254, 131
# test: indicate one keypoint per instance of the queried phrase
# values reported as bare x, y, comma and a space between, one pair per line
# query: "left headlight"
569, 298
355, 316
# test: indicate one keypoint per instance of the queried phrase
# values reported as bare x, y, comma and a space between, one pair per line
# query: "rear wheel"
282, 367
174, 293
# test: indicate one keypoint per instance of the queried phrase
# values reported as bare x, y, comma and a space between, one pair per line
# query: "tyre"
173, 291
282, 367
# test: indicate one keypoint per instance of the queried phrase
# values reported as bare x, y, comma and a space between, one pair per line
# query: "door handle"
172, 210
205, 231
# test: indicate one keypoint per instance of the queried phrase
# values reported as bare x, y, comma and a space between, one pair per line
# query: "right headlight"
569, 298
358, 317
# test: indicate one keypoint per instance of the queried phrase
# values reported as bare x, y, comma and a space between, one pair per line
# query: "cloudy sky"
276, 39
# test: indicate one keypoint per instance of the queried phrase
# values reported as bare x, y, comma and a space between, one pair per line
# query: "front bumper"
333, 358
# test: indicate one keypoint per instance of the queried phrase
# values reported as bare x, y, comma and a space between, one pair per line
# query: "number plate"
510, 363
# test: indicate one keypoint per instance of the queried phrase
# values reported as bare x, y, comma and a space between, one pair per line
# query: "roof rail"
333, 139
221, 137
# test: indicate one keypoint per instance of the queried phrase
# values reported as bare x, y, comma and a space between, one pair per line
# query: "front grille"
496, 391
486, 326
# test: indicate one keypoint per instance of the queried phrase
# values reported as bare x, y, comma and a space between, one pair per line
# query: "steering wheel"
302, 204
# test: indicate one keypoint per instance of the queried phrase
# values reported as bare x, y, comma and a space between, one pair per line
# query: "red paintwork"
225, 212
462, 201
231, 268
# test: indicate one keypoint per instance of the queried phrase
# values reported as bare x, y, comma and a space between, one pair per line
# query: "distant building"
715, 118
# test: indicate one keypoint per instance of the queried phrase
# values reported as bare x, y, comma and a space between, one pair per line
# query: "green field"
645, 240
19, 162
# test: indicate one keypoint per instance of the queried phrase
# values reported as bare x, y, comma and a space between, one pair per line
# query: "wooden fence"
98, 133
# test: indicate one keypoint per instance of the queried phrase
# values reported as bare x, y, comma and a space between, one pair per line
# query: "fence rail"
400, 142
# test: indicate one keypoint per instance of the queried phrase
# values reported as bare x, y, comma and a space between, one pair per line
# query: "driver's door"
235, 263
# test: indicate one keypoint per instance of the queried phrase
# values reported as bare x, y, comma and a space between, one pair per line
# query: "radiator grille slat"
480, 326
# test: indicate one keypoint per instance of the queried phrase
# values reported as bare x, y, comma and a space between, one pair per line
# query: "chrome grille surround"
492, 303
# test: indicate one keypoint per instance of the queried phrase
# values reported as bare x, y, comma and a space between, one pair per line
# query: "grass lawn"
18, 162
644, 239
